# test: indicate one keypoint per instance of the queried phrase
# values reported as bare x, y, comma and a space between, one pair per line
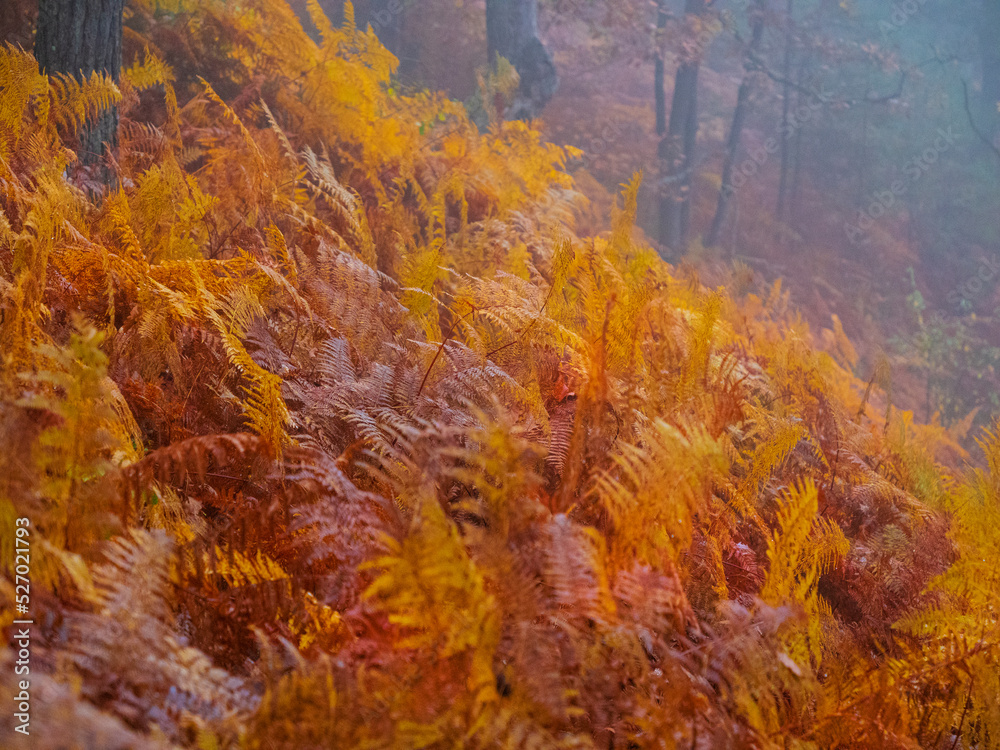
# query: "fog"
865, 169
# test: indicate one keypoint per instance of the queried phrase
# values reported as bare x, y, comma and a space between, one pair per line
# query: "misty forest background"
819, 109
506, 373
834, 103
864, 168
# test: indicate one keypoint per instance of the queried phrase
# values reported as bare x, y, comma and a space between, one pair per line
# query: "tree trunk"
78, 38
677, 152
659, 72
785, 108
512, 33
796, 197
736, 129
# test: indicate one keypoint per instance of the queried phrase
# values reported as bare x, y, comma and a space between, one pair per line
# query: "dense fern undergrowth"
331, 433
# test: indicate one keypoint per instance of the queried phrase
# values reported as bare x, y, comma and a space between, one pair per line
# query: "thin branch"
524, 331
972, 121
965, 709
444, 340
760, 65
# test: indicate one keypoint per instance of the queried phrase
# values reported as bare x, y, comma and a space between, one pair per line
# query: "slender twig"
444, 340
965, 710
972, 122
759, 64
524, 331
295, 336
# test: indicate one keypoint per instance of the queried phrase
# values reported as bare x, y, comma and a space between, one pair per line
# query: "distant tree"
512, 33
676, 150
739, 120
786, 101
78, 38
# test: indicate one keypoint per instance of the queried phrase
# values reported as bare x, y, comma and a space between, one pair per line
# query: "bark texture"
78, 37
512, 32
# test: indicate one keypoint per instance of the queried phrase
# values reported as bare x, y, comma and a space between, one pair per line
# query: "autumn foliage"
332, 433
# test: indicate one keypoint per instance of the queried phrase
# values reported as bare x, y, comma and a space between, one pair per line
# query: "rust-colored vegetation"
332, 433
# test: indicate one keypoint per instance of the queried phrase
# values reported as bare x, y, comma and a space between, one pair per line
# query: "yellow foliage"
333, 433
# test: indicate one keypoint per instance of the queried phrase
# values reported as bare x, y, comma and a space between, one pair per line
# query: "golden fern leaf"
436, 596
231, 116
74, 102
958, 629
152, 71
72, 455
655, 491
789, 549
22, 84
799, 551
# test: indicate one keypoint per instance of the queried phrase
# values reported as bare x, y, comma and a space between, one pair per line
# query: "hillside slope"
330, 432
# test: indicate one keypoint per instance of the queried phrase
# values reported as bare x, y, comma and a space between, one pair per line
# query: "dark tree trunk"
659, 72
796, 197
736, 129
79, 37
512, 33
786, 100
677, 152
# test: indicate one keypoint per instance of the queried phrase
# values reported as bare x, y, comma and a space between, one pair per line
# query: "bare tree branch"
972, 121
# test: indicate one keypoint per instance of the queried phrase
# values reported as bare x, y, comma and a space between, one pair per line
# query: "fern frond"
656, 489
429, 589
126, 646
